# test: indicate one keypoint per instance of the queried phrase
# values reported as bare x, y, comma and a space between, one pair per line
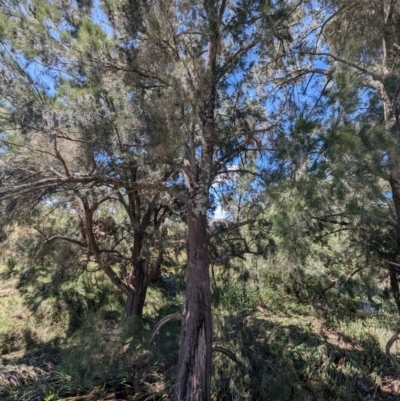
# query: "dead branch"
230, 355
166, 319
389, 345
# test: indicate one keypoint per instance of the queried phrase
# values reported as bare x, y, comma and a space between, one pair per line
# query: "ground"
287, 349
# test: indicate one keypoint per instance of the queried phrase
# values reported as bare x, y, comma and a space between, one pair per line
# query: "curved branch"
230, 355
389, 345
64, 238
61, 159
166, 319
353, 273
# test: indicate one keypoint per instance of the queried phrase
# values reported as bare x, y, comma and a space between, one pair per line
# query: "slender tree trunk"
194, 365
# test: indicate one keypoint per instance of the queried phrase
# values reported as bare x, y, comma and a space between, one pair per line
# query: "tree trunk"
134, 304
135, 299
394, 181
194, 365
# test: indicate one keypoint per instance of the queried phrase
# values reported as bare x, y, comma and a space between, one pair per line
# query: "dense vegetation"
199, 199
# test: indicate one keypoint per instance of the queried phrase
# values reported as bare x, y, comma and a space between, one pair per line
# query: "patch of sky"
4, 147
219, 213
101, 18
223, 185
102, 157
41, 78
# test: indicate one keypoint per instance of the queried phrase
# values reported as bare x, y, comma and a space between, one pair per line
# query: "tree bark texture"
194, 366
394, 181
136, 297
135, 283
193, 379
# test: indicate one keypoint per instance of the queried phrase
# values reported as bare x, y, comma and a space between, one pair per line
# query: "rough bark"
394, 181
193, 379
194, 366
135, 299
134, 284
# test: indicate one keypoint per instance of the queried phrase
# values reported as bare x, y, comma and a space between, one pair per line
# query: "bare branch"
26, 147
389, 345
391, 263
138, 71
229, 354
358, 67
166, 319
331, 233
347, 279
64, 238
241, 51
61, 159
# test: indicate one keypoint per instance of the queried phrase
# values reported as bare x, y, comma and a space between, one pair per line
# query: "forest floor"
287, 350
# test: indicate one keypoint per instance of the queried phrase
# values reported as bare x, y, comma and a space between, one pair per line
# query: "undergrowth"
76, 343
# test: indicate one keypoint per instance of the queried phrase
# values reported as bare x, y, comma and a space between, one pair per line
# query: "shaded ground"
287, 352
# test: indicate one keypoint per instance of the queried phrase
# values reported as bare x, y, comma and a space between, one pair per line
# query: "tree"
357, 44
71, 138
209, 49
192, 78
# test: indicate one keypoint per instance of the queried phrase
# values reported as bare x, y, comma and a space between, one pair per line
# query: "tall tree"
208, 55
194, 76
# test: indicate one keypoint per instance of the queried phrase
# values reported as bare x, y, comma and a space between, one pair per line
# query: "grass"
19, 327
76, 347
48, 352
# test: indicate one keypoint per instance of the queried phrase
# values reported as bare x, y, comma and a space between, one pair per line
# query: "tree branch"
229, 354
166, 319
64, 238
230, 228
61, 159
389, 344
374, 76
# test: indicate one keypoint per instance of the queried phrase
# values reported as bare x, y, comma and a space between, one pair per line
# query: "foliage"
255, 139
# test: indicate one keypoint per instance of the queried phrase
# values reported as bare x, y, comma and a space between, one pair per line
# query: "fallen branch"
166, 319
